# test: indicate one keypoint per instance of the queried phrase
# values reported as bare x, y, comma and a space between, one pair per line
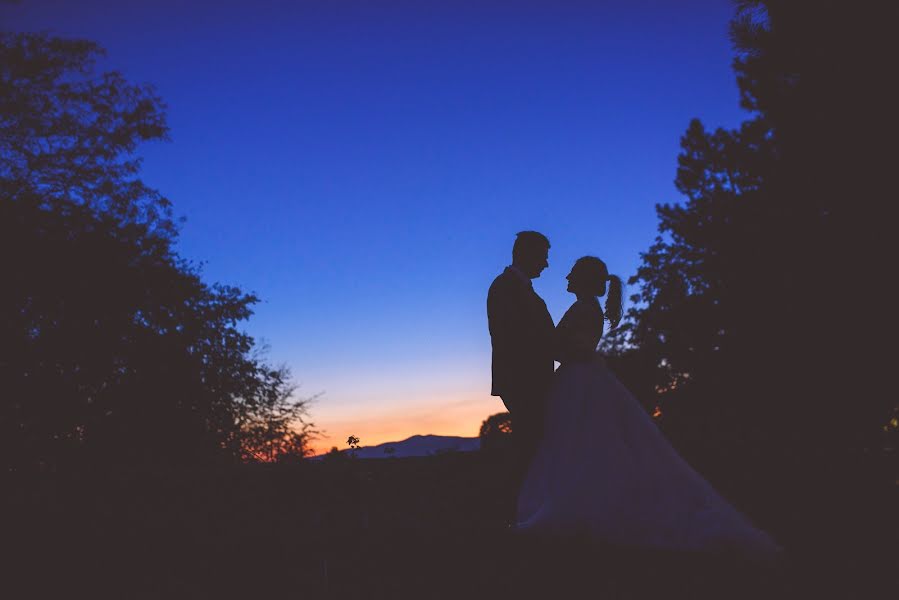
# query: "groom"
521, 332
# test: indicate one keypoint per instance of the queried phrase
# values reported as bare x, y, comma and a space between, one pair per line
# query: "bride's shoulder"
584, 309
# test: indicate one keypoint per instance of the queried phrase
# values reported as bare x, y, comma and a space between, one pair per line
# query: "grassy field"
396, 528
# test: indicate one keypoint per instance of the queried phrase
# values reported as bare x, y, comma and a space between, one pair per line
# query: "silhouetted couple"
591, 461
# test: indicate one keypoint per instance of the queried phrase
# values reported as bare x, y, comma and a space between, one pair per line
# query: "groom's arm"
504, 318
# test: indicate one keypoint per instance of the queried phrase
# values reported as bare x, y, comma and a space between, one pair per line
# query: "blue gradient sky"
364, 166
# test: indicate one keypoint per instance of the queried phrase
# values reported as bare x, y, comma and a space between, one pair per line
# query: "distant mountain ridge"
419, 445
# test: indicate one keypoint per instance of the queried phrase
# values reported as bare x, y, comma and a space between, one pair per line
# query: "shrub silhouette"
496, 432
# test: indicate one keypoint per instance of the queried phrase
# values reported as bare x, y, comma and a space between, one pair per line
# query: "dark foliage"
496, 432
112, 347
761, 306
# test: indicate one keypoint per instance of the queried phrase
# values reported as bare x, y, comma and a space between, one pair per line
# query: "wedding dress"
604, 469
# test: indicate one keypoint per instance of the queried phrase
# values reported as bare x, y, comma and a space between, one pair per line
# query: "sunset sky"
363, 166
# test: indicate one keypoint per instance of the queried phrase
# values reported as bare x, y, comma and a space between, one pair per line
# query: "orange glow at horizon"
459, 417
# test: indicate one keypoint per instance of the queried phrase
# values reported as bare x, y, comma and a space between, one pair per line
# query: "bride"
603, 468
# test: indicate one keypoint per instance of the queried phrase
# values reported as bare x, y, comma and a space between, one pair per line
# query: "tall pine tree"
760, 308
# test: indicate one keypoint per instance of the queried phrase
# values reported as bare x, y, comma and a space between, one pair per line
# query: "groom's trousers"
527, 411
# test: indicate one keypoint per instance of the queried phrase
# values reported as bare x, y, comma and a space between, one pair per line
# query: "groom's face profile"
530, 253
534, 263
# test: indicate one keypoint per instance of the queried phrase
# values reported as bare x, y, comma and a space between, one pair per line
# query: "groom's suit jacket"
521, 332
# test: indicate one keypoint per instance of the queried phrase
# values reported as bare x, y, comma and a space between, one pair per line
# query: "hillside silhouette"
416, 445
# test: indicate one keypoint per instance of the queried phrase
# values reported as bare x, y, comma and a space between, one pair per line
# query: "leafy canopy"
112, 347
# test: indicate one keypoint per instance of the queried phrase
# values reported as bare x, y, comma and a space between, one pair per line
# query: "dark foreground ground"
402, 528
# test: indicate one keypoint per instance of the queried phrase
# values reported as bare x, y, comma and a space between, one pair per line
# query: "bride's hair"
596, 274
613, 301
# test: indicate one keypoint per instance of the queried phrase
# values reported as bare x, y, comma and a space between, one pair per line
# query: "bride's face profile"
575, 280
583, 282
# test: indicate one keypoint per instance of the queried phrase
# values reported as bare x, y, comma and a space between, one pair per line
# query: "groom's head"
530, 253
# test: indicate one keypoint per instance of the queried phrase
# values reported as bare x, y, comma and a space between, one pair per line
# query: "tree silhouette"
496, 431
744, 318
274, 428
112, 347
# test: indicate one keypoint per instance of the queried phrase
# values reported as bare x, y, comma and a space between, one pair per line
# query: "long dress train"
605, 470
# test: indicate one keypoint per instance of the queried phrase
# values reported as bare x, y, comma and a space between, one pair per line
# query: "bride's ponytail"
613, 301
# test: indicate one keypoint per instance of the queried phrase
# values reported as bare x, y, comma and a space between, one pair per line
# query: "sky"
364, 166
